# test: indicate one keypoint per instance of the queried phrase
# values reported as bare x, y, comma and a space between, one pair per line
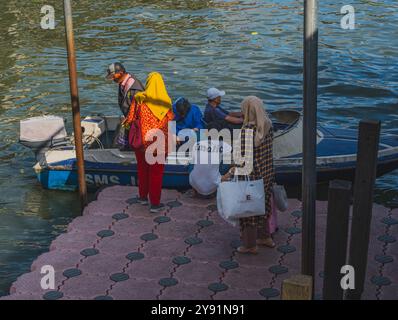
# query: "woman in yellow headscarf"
153, 109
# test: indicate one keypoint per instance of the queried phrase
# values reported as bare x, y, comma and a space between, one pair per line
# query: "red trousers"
150, 177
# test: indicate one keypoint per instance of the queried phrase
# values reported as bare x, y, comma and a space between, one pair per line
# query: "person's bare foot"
266, 242
245, 250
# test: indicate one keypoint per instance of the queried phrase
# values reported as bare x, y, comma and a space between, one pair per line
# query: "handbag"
239, 199
135, 133
280, 197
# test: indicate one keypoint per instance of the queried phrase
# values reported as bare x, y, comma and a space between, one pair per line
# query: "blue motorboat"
107, 165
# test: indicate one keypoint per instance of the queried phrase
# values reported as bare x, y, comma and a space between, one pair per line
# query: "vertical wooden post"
336, 238
309, 135
365, 176
74, 92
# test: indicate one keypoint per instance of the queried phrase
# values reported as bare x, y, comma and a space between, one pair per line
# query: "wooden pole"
365, 177
75, 103
309, 135
336, 238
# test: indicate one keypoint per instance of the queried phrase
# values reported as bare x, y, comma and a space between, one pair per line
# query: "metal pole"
309, 135
74, 92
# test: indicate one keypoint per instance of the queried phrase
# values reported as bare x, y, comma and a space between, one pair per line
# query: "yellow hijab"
155, 96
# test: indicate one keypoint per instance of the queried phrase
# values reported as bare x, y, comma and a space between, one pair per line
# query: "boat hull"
58, 179
177, 176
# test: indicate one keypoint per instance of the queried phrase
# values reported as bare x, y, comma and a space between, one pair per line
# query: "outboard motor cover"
41, 133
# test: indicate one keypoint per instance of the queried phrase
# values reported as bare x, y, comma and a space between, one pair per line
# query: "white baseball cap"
213, 93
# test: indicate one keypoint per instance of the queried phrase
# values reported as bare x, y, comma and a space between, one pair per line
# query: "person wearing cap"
187, 115
218, 118
129, 85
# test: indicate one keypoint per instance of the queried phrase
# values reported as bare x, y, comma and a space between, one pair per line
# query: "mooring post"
74, 92
365, 177
298, 287
309, 136
339, 204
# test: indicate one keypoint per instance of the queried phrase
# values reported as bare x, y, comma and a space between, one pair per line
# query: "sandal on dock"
247, 250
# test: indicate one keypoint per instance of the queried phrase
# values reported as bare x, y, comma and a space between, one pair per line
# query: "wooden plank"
365, 176
336, 238
298, 287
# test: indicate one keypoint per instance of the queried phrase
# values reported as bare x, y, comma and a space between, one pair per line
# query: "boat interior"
100, 131
100, 135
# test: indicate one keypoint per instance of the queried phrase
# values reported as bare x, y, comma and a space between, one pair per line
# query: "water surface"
244, 47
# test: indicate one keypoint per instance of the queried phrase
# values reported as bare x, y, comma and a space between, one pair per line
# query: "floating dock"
118, 250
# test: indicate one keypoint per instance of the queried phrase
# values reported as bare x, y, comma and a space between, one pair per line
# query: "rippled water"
244, 47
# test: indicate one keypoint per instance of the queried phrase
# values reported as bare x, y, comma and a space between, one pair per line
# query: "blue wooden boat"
56, 166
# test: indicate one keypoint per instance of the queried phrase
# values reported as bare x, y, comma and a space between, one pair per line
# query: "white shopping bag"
240, 199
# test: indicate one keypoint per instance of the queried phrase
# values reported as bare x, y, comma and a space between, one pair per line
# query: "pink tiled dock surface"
118, 250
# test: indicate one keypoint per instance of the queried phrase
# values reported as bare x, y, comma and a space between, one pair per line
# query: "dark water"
244, 47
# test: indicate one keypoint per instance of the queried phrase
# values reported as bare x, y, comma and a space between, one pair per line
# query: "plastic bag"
280, 197
122, 140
